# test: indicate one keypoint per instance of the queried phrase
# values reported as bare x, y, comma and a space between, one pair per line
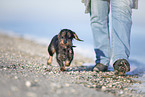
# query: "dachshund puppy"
62, 45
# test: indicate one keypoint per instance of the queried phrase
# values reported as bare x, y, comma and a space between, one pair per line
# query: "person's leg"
121, 28
100, 27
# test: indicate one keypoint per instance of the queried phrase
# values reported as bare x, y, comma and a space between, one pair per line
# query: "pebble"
94, 86
121, 92
103, 88
55, 85
5, 68
67, 85
28, 84
125, 88
16, 77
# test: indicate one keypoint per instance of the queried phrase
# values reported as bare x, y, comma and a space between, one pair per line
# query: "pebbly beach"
24, 73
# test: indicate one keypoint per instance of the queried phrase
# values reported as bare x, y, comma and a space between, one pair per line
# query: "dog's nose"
64, 41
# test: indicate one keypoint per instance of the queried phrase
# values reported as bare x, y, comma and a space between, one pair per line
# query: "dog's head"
66, 36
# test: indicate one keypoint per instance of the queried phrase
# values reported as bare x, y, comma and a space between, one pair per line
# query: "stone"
28, 84
103, 88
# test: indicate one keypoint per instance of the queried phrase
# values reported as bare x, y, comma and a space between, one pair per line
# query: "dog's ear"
59, 34
76, 37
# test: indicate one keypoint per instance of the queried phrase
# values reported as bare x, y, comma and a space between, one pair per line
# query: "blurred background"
40, 20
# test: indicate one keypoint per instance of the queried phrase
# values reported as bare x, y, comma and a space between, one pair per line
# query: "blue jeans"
109, 49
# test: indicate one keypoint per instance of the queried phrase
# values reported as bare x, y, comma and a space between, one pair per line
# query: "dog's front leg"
49, 60
60, 62
62, 67
69, 57
68, 62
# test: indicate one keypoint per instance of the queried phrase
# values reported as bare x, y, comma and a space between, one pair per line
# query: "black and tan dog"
62, 45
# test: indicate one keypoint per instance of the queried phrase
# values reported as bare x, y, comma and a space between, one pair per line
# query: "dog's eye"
70, 37
62, 37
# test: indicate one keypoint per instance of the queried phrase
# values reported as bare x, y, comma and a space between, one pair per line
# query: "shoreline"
24, 72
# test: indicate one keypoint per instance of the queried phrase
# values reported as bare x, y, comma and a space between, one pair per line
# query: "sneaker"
121, 66
100, 67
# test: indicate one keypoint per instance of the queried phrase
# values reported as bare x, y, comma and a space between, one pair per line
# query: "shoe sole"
122, 66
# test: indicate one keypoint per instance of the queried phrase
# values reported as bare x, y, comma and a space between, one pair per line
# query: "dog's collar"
67, 46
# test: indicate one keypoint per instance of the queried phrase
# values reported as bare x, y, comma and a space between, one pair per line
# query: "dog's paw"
49, 60
62, 68
67, 63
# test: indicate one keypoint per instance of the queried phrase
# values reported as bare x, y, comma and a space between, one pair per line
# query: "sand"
24, 73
